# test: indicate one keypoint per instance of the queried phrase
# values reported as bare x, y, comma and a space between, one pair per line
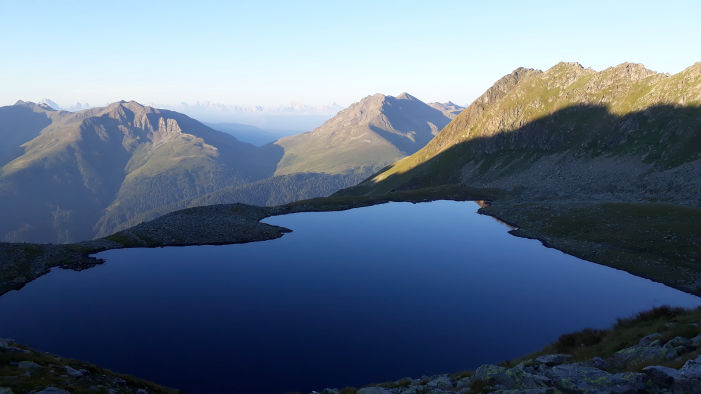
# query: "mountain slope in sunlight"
624, 132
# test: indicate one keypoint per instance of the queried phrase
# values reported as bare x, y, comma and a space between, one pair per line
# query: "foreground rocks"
24, 370
633, 369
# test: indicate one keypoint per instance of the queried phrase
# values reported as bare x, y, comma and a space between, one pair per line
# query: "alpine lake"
346, 299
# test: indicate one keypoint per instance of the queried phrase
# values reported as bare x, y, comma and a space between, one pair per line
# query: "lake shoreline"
239, 223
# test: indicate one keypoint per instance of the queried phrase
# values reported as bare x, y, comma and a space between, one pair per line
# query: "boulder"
73, 372
53, 390
29, 365
488, 372
554, 359
692, 369
581, 378
373, 390
639, 354
696, 341
669, 379
442, 382
600, 363
649, 340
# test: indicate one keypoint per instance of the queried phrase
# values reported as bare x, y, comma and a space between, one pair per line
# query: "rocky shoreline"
673, 260
656, 363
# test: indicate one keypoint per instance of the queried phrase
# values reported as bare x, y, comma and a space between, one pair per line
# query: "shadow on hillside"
664, 136
20, 124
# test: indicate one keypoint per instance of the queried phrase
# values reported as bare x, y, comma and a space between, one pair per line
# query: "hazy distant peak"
50, 103
33, 105
406, 96
449, 109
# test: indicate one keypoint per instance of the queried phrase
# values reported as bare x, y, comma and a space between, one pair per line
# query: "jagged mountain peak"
609, 112
632, 71
566, 66
406, 96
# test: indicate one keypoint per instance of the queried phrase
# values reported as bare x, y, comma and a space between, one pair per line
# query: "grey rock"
53, 390
330, 391
580, 378
671, 379
441, 382
6, 347
639, 354
663, 376
488, 372
600, 363
650, 339
6, 390
464, 382
554, 359
522, 376
141, 391
679, 342
373, 390
692, 369
696, 341
73, 372
29, 365
544, 390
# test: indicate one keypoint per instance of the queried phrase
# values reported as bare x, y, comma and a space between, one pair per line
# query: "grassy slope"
52, 372
538, 95
656, 241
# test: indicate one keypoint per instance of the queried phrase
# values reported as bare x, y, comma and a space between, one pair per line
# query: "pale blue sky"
319, 52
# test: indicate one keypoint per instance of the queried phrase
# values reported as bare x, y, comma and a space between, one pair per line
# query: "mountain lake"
348, 298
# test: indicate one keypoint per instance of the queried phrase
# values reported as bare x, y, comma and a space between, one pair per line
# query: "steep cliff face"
624, 132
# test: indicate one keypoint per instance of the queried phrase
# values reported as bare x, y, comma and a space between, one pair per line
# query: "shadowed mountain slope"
86, 173
623, 133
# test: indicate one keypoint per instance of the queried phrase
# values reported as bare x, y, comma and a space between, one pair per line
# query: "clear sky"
271, 53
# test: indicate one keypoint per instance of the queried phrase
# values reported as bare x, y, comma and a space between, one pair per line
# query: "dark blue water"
348, 298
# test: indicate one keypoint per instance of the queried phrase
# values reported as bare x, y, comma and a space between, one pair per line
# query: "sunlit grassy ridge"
527, 95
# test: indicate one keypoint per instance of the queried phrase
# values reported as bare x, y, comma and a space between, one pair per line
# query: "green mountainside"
623, 133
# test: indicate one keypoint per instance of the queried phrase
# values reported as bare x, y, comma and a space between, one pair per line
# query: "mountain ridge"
98, 170
613, 119
364, 137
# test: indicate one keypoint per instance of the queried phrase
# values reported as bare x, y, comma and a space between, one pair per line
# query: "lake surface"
348, 298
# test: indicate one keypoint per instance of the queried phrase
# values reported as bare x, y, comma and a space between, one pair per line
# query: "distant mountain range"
67, 176
624, 133
251, 134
